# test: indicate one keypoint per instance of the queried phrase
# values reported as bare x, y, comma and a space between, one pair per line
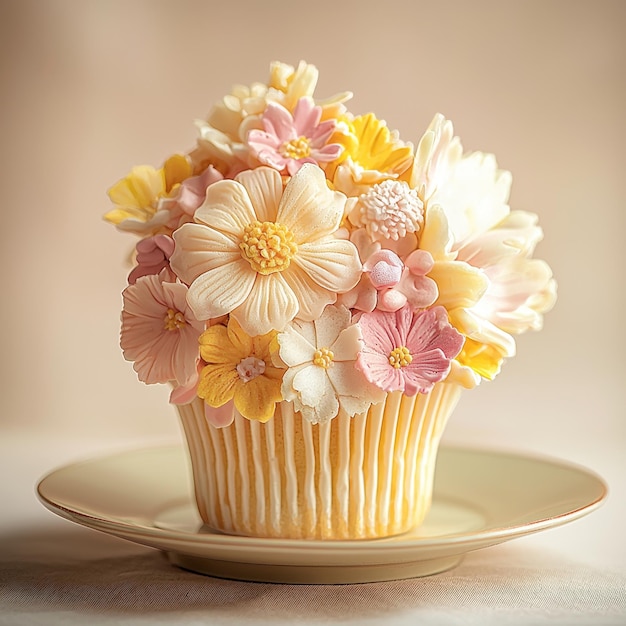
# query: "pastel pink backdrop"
91, 88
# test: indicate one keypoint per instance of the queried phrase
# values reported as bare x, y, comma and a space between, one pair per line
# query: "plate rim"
465, 541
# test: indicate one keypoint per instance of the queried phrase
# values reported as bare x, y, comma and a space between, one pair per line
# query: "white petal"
330, 324
227, 208
220, 290
308, 207
348, 344
294, 347
332, 263
271, 305
311, 296
200, 249
265, 188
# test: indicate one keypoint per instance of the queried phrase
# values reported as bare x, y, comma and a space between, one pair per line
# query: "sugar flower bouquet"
304, 255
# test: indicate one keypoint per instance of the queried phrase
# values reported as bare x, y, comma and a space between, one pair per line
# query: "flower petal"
348, 344
265, 188
332, 263
217, 384
308, 207
294, 348
220, 290
311, 296
227, 208
256, 399
199, 249
328, 327
270, 305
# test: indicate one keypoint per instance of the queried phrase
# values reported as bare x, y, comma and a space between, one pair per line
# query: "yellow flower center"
268, 246
323, 358
400, 357
174, 320
296, 148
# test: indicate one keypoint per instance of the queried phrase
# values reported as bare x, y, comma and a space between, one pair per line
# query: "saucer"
481, 498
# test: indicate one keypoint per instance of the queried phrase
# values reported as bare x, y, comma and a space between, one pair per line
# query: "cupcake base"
351, 478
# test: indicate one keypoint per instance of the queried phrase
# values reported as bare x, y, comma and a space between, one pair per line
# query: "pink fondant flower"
406, 351
388, 282
190, 195
159, 331
287, 142
153, 254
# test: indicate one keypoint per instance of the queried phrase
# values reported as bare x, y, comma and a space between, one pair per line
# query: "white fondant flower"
263, 254
321, 380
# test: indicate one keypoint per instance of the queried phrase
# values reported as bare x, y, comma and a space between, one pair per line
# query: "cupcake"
318, 293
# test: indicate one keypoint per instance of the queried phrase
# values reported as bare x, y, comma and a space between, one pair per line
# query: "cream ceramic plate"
481, 499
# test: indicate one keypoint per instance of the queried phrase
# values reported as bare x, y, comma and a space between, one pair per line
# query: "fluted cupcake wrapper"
352, 478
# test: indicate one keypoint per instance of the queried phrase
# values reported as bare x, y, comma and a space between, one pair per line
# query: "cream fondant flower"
321, 379
265, 255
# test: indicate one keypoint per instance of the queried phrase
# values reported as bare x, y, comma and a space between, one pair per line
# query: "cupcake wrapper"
351, 478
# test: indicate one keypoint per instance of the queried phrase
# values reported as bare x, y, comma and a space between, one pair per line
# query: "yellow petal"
378, 149
140, 189
256, 399
217, 384
460, 285
483, 359
238, 339
176, 169
216, 346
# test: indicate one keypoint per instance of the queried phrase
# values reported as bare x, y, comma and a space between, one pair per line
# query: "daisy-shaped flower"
322, 379
240, 368
263, 254
159, 331
138, 197
287, 142
406, 351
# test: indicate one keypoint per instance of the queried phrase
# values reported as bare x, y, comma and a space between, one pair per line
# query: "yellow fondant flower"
264, 255
137, 197
240, 368
375, 154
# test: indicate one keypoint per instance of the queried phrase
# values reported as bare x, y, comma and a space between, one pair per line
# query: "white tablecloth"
55, 572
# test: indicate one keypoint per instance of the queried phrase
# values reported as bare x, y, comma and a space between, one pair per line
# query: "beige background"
91, 88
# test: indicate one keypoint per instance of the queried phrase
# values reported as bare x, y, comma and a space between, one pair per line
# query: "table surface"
55, 572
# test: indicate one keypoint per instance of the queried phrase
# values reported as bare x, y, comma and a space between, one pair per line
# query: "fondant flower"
159, 331
239, 368
223, 135
375, 154
265, 255
321, 380
189, 195
388, 282
406, 351
436, 153
137, 197
388, 210
153, 254
287, 142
